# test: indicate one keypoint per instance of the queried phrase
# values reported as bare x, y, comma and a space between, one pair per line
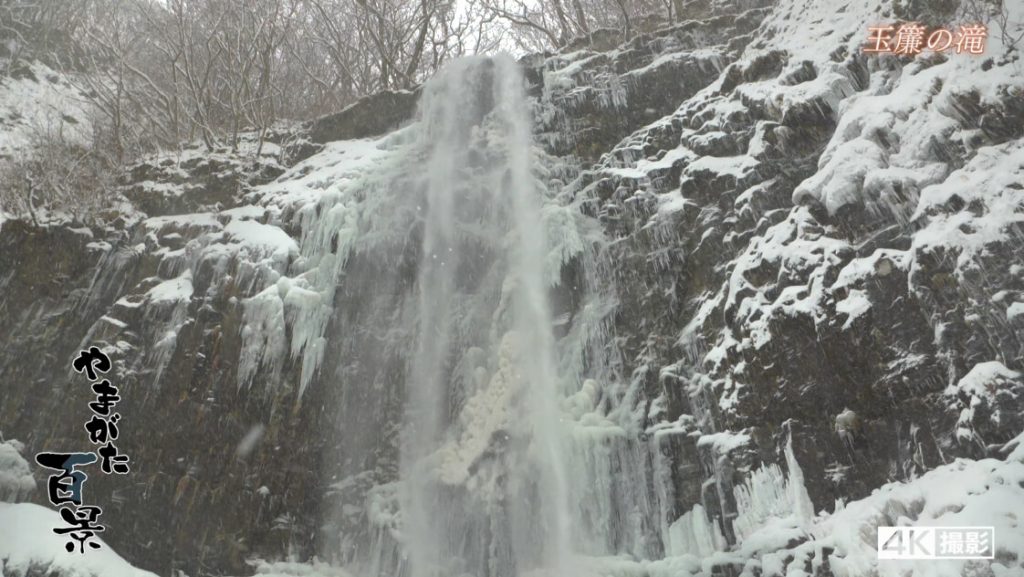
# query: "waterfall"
483, 486
482, 426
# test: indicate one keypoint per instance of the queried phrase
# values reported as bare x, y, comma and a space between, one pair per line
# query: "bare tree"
56, 176
163, 72
551, 24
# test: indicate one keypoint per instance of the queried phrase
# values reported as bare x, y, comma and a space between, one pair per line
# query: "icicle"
802, 506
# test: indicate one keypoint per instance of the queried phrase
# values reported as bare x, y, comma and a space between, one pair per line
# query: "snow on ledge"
27, 541
982, 380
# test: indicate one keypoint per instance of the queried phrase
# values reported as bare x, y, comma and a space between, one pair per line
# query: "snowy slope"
28, 543
35, 100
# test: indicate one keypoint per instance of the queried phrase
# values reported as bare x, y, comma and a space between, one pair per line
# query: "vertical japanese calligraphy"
65, 488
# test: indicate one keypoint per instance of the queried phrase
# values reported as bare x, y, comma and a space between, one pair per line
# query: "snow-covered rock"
16, 481
28, 546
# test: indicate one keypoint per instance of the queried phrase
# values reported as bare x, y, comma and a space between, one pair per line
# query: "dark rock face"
189, 501
370, 116
759, 279
598, 97
202, 181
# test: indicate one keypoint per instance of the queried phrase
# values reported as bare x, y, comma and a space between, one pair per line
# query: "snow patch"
27, 541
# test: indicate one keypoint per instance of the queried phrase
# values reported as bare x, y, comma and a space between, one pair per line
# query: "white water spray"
484, 493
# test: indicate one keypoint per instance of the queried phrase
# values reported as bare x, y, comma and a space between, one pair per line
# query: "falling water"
483, 490
520, 454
